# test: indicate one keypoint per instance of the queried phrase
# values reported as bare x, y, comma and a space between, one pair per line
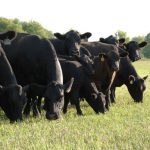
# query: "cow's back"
34, 60
97, 47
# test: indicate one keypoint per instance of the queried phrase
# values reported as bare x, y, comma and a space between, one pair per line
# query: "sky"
100, 17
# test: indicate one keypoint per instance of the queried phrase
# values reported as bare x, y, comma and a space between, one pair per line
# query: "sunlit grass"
125, 126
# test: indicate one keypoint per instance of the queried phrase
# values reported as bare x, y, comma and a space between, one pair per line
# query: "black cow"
127, 75
112, 40
34, 60
132, 47
69, 43
83, 87
12, 95
103, 76
110, 58
77, 48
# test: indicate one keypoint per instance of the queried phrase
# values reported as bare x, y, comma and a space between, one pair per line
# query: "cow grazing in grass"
34, 60
88, 48
12, 95
127, 75
110, 58
83, 87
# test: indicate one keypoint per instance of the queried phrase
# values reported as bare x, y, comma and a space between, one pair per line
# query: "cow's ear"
131, 79
59, 36
102, 56
2, 89
11, 35
121, 40
144, 78
85, 35
123, 53
68, 85
8, 37
102, 40
142, 44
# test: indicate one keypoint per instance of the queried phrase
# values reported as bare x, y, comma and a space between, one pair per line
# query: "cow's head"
54, 97
111, 58
7, 37
109, 40
13, 99
117, 42
112, 40
72, 41
99, 102
133, 49
136, 87
85, 36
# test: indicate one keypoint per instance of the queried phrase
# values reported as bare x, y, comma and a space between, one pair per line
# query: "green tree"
121, 34
34, 27
138, 39
146, 49
10, 24
31, 27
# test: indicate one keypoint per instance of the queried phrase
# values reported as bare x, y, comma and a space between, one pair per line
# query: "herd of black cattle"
65, 69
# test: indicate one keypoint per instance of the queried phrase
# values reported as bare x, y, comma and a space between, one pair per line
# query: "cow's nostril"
52, 116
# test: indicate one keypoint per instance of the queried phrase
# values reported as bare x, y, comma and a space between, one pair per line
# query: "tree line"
145, 52
33, 27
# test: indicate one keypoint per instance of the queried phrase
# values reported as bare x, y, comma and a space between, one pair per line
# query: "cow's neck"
55, 69
7, 75
127, 69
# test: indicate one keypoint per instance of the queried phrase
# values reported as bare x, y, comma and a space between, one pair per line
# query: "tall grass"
125, 126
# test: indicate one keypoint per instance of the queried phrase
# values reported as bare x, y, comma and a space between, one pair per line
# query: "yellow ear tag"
131, 82
7, 42
102, 58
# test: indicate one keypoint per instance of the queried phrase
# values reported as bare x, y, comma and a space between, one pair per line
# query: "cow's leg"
66, 102
39, 104
76, 101
112, 95
27, 108
107, 99
34, 107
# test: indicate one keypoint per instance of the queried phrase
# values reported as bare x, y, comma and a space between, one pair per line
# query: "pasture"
125, 126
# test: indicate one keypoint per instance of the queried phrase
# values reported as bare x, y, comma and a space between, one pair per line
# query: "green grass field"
125, 126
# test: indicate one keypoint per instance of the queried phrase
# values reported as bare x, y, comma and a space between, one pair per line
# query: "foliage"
31, 27
146, 49
122, 34
138, 39
125, 126
9, 24
145, 52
